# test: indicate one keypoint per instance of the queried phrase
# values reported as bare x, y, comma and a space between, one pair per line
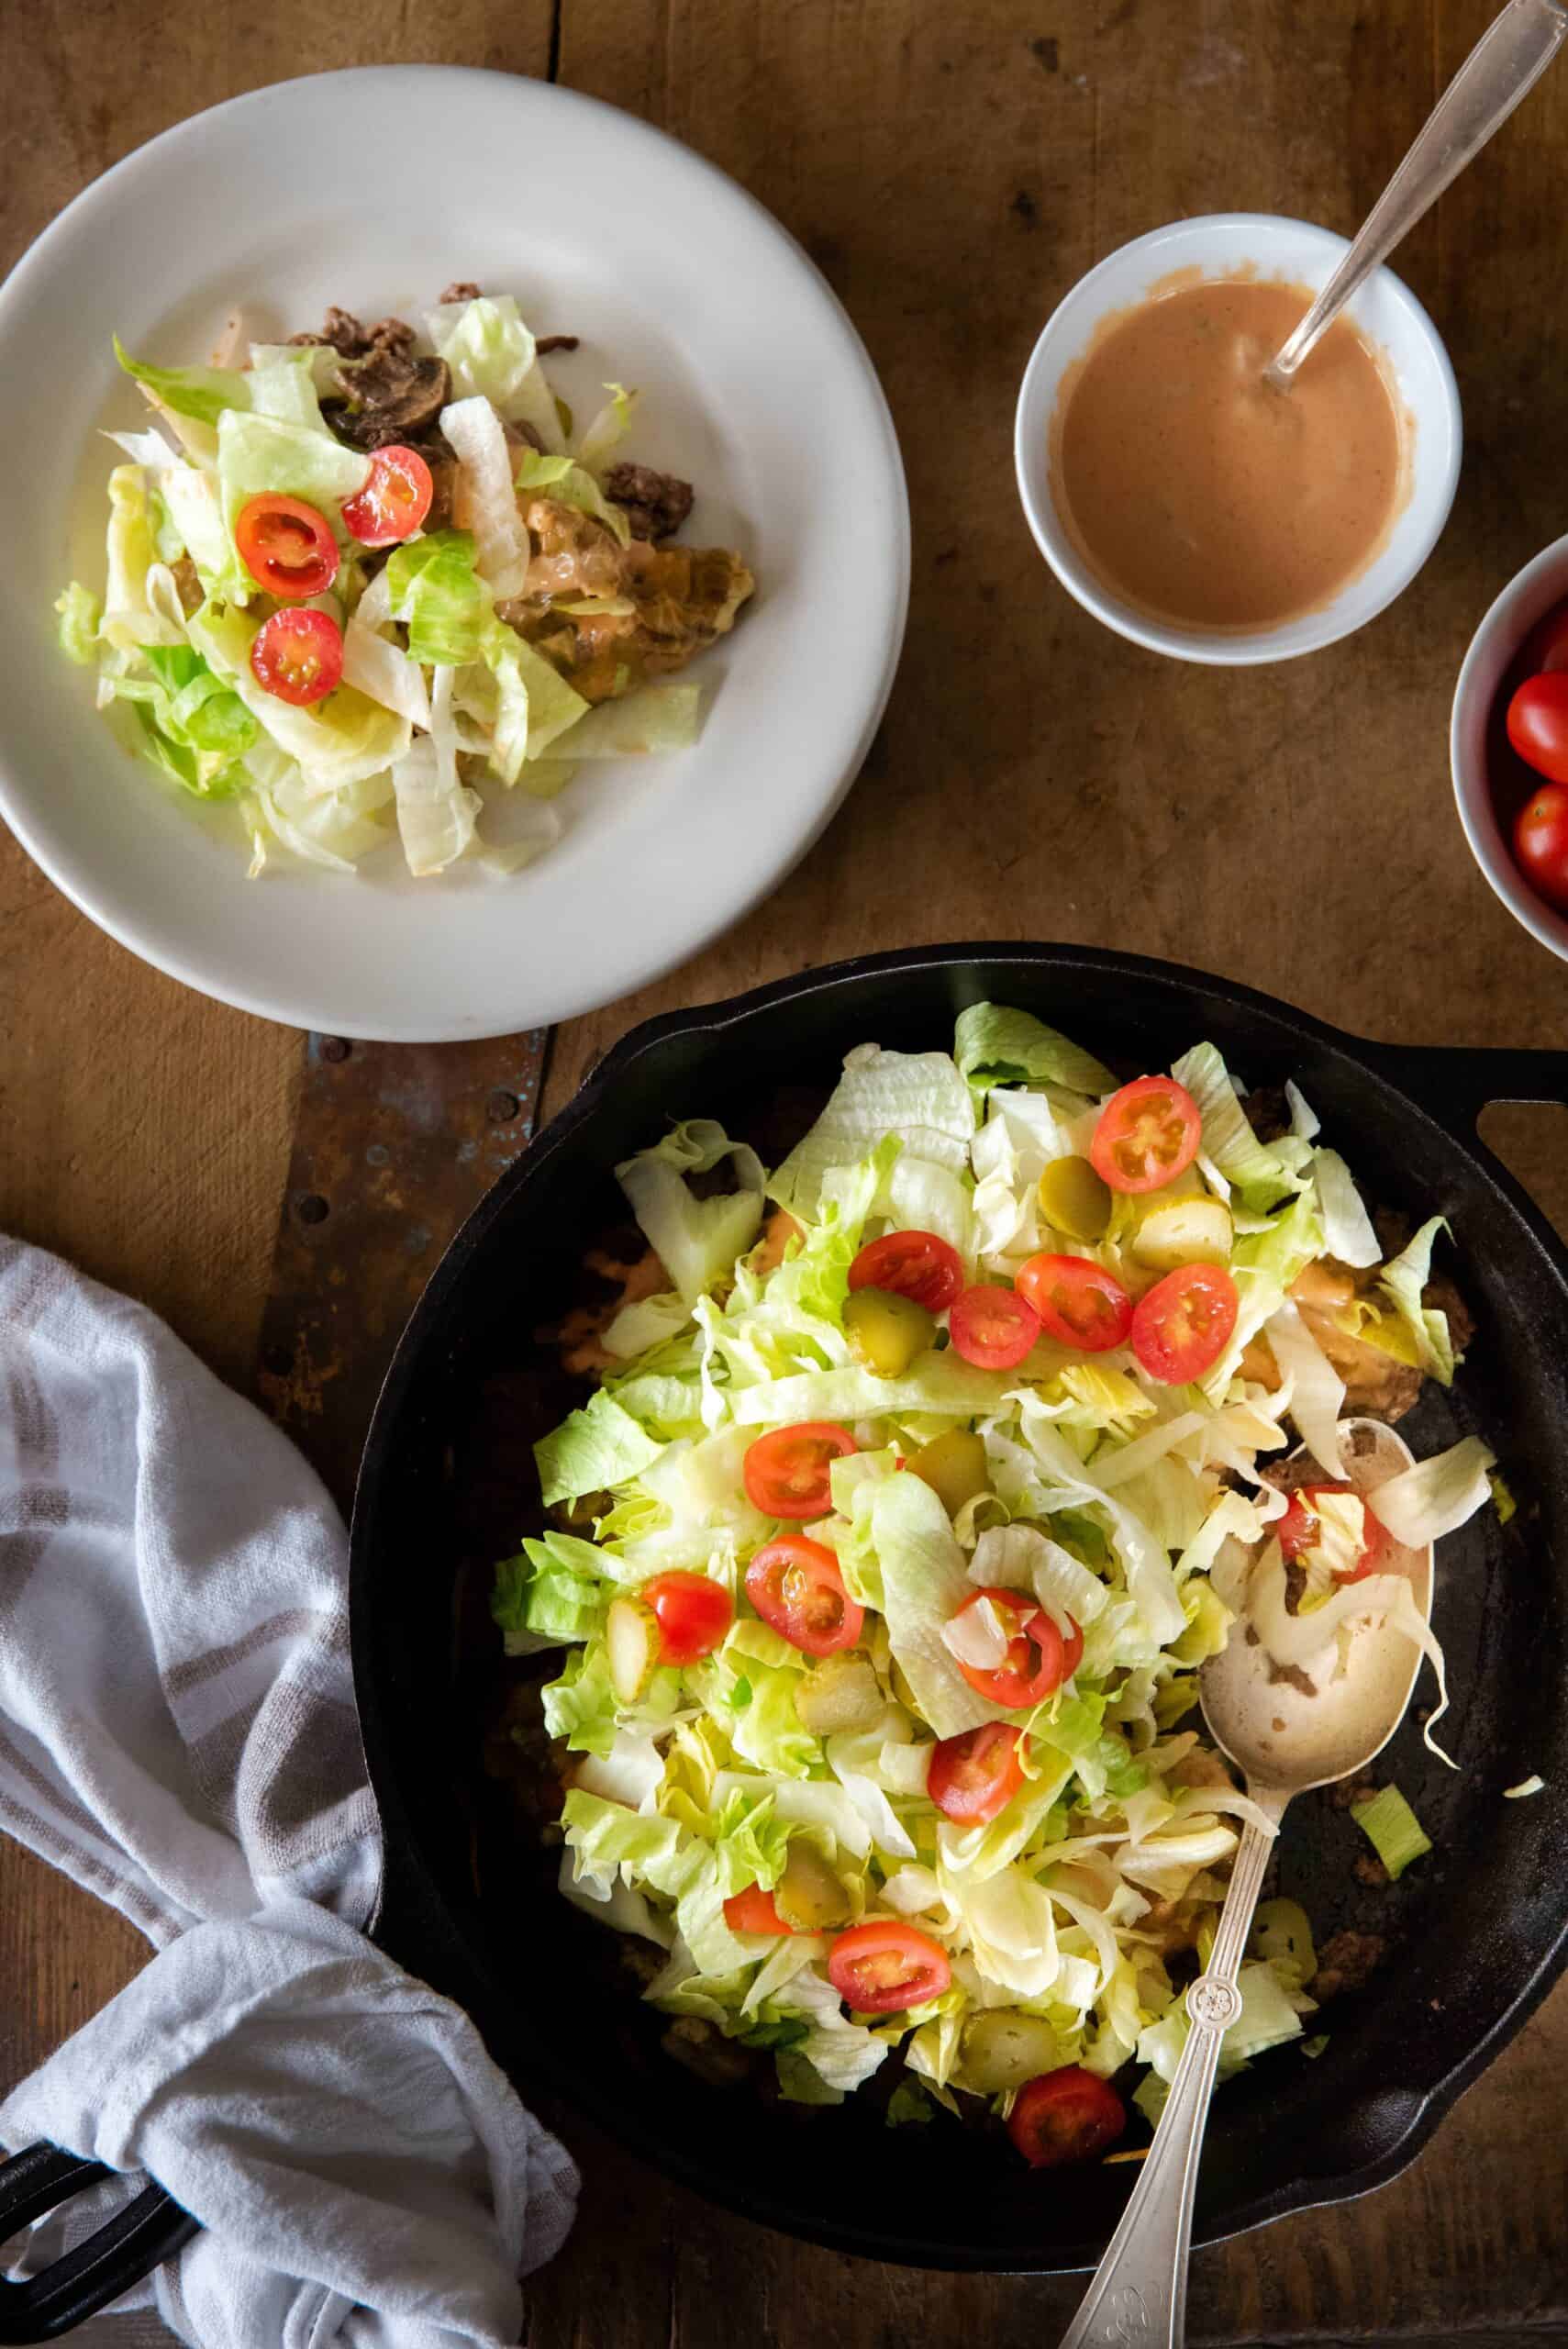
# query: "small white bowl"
1526, 598
1387, 313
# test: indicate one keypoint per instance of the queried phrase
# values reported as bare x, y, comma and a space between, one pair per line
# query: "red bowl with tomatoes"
1509, 747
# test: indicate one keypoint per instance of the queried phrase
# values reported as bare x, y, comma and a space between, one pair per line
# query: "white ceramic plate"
756, 388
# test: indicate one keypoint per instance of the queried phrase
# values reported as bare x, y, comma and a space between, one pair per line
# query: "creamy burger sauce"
1196, 492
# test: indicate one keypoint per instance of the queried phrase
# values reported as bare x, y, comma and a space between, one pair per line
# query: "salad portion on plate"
921, 1475
360, 583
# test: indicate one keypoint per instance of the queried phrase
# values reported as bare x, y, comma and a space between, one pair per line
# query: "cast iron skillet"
1476, 1933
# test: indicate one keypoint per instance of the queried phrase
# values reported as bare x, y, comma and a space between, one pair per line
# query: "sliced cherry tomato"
298, 656
1540, 841
1538, 724
393, 501
973, 1776
1033, 1665
755, 1911
1079, 1303
1546, 646
786, 1471
1297, 1530
1183, 1325
1065, 2115
287, 546
916, 1264
884, 1967
996, 1329
692, 1614
795, 1586
1147, 1135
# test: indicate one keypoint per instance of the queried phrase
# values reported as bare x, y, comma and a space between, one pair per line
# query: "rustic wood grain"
952, 171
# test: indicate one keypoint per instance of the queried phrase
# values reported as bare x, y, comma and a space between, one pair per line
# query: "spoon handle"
1509, 59
1140, 2291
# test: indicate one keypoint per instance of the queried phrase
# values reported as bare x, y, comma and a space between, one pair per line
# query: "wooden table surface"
953, 169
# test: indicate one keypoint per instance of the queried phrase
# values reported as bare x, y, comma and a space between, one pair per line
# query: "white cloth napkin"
178, 1733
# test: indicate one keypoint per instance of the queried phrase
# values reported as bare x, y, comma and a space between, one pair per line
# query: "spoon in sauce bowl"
1507, 61
1285, 1732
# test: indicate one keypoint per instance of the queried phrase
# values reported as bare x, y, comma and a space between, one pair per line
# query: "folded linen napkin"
178, 1733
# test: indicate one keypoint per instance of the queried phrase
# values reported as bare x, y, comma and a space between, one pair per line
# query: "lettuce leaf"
81, 617
656, 720
697, 1240
200, 393
597, 1448
1255, 1171
493, 356
993, 1045
919, 1097
1402, 1281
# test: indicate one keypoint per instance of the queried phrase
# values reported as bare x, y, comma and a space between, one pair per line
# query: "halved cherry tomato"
1546, 646
1183, 1325
393, 501
996, 1329
1065, 2115
1540, 841
755, 1911
1297, 1530
1034, 1661
916, 1264
973, 1776
693, 1613
884, 1967
1147, 1135
786, 1471
287, 546
1079, 1303
1538, 724
298, 656
795, 1586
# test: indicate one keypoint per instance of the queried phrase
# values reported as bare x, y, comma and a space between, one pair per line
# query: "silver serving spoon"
1283, 1742
1509, 58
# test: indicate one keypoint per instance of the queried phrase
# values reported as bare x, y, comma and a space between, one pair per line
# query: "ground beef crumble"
1347, 1962
655, 504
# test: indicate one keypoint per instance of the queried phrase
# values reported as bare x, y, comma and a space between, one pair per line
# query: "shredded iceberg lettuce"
1135, 1515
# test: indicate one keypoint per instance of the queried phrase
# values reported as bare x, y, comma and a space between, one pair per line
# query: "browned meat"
1347, 1962
1369, 1870
394, 335
1350, 1791
1440, 1295
1267, 1111
342, 332
705, 2051
188, 585
519, 436
549, 342
461, 289
655, 504
391, 396
1201, 1767
779, 1229
579, 1334
443, 483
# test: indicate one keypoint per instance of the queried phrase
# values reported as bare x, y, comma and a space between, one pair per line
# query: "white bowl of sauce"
1187, 505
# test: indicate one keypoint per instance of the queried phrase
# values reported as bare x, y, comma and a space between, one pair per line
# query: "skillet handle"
148, 2230
1455, 1083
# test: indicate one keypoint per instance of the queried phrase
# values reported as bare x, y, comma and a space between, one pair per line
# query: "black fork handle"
148, 2230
